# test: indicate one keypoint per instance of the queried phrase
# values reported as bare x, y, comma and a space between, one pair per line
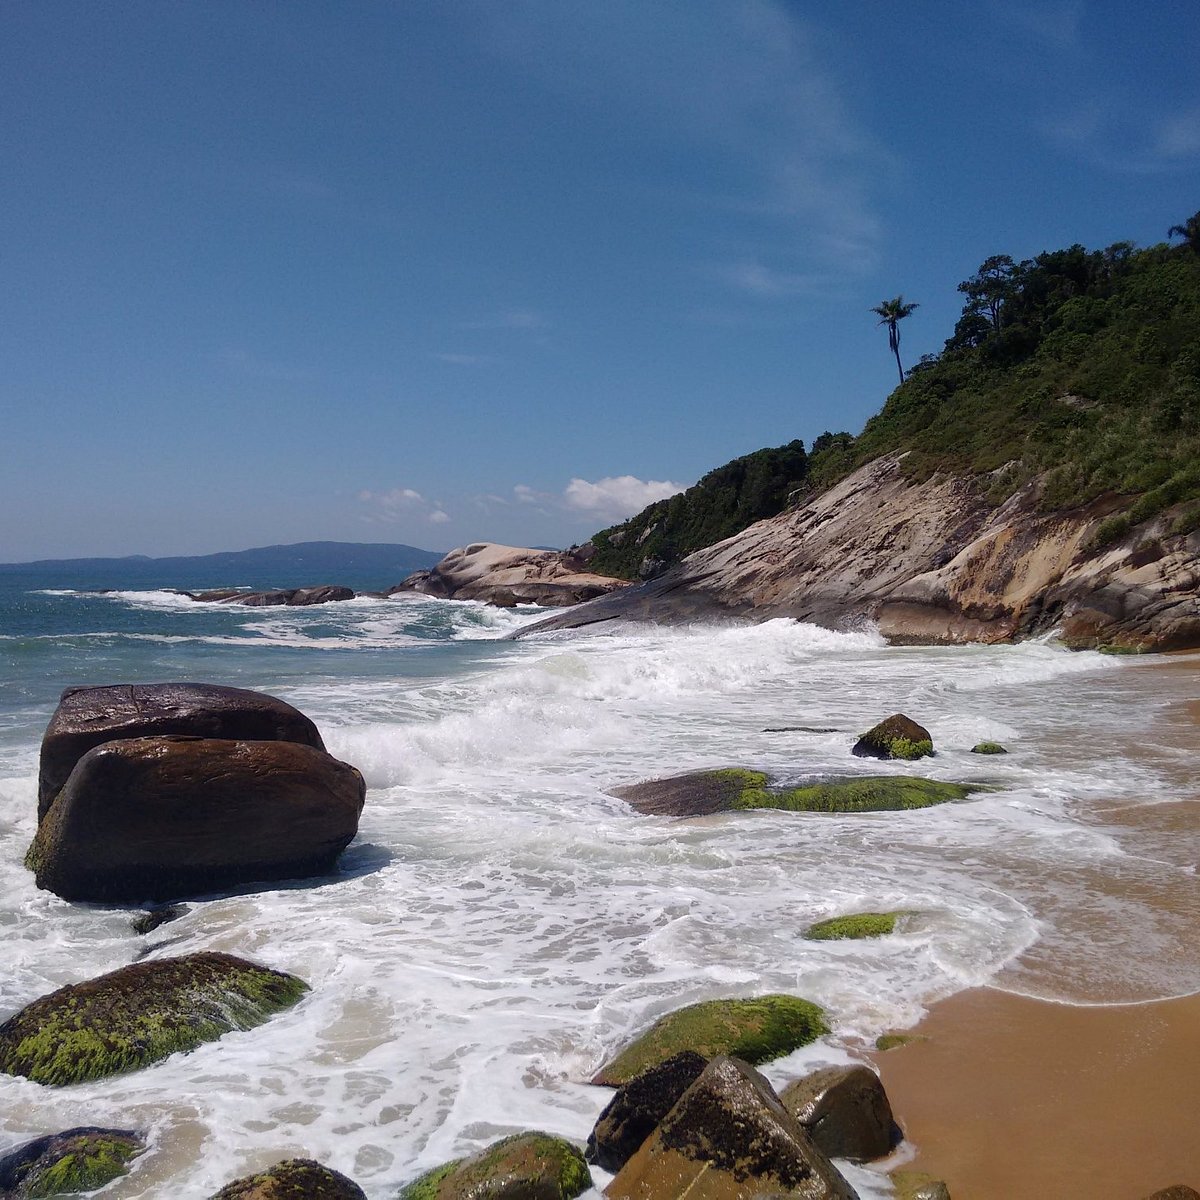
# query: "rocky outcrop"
140, 1014
526, 1166
158, 818
64, 1164
845, 1111
325, 593
756, 1030
633, 1114
510, 575
933, 561
728, 1138
89, 716
896, 736
291, 1180
702, 793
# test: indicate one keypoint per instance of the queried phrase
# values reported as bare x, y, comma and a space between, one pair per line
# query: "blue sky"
439, 271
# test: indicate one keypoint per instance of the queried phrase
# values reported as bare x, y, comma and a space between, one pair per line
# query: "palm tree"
891, 313
1189, 230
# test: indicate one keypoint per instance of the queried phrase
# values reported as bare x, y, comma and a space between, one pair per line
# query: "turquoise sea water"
502, 923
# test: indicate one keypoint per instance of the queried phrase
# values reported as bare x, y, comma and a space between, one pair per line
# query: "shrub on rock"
526, 1166
729, 1137
845, 1112
158, 818
897, 736
89, 716
756, 1030
293, 1179
62, 1164
140, 1014
853, 926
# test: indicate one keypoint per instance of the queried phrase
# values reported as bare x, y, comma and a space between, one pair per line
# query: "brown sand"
1018, 1099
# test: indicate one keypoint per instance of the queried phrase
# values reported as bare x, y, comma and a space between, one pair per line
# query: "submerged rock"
756, 1030
293, 1179
158, 818
150, 920
727, 1138
896, 736
845, 1112
893, 1040
917, 1185
526, 1166
140, 1014
988, 748
87, 717
632, 1115
854, 926
702, 793
63, 1164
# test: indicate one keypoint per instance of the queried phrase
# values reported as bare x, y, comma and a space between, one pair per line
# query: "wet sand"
1012, 1098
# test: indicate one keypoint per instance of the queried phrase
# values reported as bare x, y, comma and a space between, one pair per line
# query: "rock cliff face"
932, 561
509, 575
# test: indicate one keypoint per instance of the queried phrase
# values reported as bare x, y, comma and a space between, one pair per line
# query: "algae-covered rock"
1178, 1191
702, 793
854, 926
896, 736
845, 1112
988, 748
140, 1014
293, 1179
632, 1115
918, 1185
526, 1166
890, 1041
729, 1138
63, 1164
756, 1030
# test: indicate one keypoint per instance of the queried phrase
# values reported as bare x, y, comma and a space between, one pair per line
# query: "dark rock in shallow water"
897, 736
756, 1030
845, 1112
633, 1114
702, 793
325, 594
727, 1138
154, 917
140, 1014
293, 1179
159, 818
526, 1166
62, 1164
87, 717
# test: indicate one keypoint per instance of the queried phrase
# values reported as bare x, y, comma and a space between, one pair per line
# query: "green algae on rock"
525, 1166
755, 1030
854, 926
63, 1164
293, 1179
140, 1014
988, 748
890, 1041
896, 736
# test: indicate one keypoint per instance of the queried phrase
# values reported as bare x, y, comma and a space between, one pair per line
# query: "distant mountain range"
355, 564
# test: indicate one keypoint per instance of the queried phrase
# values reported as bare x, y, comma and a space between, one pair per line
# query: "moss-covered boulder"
526, 1166
702, 793
845, 1112
142, 1013
729, 1138
64, 1164
755, 1030
918, 1185
854, 926
892, 1041
897, 736
988, 748
633, 1114
293, 1179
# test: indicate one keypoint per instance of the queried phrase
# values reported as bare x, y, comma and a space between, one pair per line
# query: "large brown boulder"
88, 716
293, 1179
158, 818
896, 736
845, 1112
729, 1138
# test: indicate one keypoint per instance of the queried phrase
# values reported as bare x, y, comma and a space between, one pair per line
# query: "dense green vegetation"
1081, 367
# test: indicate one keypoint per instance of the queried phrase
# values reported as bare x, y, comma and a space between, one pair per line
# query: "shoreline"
1007, 1096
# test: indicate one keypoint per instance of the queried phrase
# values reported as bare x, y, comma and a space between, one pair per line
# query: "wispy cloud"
617, 497
1054, 23
401, 504
521, 319
1126, 138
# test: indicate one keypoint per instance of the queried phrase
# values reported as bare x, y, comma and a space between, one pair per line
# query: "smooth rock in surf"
526, 1166
896, 736
160, 818
89, 716
845, 1112
293, 1179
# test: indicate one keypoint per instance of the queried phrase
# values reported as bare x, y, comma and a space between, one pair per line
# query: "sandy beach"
1008, 1097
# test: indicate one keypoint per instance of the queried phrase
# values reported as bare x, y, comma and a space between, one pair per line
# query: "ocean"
502, 923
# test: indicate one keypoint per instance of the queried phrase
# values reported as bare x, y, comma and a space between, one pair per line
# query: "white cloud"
438, 517
617, 497
525, 494
401, 504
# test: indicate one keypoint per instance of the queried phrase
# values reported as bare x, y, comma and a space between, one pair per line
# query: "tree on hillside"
989, 288
891, 313
1189, 231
